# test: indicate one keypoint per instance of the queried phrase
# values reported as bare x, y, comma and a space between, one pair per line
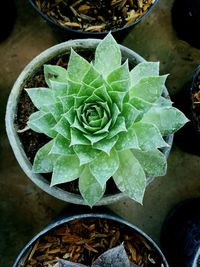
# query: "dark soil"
196, 101
94, 15
186, 20
83, 240
32, 141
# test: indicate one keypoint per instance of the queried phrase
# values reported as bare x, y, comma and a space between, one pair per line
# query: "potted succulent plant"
93, 121
95, 240
94, 18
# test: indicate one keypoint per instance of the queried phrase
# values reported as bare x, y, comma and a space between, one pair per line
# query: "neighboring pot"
186, 100
26, 74
186, 20
125, 230
65, 33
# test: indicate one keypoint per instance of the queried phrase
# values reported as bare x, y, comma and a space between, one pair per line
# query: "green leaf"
114, 113
107, 56
41, 122
163, 102
152, 161
85, 153
56, 110
140, 104
43, 161
148, 136
41, 97
70, 115
86, 90
67, 102
90, 189
66, 169
63, 128
61, 146
103, 94
95, 138
77, 138
130, 177
106, 144
91, 75
59, 88
54, 73
73, 87
117, 98
143, 70
130, 113
104, 166
119, 74
77, 67
99, 81
149, 89
127, 140
119, 127
167, 119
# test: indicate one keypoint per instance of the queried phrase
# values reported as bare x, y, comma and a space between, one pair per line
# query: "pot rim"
94, 34
67, 219
13, 137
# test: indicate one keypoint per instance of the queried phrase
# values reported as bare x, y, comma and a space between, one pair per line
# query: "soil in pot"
94, 15
83, 240
33, 141
186, 20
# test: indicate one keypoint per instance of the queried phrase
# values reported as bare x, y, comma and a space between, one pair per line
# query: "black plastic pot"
186, 20
7, 18
181, 234
66, 33
68, 218
188, 138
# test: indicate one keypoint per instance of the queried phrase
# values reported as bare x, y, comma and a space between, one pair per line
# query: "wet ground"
24, 208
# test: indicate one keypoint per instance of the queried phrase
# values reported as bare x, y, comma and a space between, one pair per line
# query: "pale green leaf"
70, 115
106, 144
167, 119
95, 138
77, 67
119, 79
85, 153
104, 166
90, 189
77, 138
130, 177
119, 127
59, 88
43, 161
67, 102
107, 56
140, 104
86, 90
148, 136
127, 140
153, 162
55, 109
142, 70
163, 102
76, 124
149, 89
117, 98
63, 128
54, 73
114, 113
103, 94
99, 81
41, 97
130, 113
79, 101
73, 87
61, 146
91, 75
66, 169
42, 123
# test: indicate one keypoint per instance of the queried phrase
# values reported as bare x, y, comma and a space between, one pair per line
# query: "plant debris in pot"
94, 15
102, 120
95, 242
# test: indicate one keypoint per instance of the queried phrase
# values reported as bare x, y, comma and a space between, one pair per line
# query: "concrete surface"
25, 209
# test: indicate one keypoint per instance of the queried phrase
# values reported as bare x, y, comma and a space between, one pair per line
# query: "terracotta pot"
117, 220
26, 74
65, 33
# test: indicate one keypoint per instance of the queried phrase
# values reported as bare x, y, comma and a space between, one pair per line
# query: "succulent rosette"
104, 121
